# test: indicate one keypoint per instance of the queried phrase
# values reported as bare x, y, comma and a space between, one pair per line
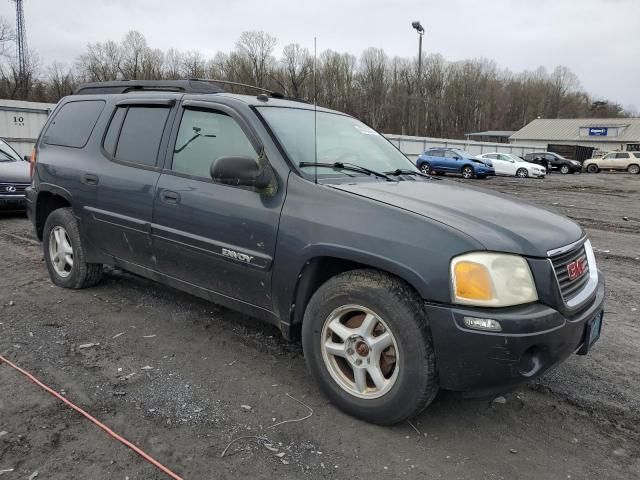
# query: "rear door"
215, 236
125, 180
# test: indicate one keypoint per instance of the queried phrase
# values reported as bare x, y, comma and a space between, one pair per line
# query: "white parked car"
512, 165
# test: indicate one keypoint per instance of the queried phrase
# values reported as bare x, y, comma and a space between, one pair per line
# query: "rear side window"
139, 138
73, 123
622, 155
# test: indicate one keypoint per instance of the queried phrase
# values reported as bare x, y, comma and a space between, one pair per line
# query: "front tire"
467, 172
564, 169
426, 168
64, 253
522, 173
592, 168
633, 169
367, 343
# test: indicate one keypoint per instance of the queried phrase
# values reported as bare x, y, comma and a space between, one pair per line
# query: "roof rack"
191, 85
126, 86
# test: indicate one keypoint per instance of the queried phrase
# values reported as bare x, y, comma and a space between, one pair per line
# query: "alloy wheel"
467, 172
360, 351
61, 251
635, 169
522, 173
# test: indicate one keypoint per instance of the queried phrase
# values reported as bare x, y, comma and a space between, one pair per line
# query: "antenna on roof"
315, 107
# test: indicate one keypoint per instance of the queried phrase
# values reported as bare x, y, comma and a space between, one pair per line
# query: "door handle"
169, 196
90, 179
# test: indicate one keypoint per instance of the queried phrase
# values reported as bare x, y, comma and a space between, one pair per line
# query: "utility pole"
21, 46
420, 29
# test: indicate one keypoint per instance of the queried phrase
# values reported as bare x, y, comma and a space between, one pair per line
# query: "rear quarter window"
73, 123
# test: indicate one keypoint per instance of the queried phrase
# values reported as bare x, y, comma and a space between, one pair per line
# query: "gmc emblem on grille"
576, 268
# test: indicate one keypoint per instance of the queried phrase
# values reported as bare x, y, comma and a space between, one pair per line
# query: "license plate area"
591, 333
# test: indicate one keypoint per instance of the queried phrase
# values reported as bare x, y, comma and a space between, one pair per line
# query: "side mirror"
243, 171
27, 158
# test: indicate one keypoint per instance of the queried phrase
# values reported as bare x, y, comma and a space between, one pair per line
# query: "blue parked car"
453, 160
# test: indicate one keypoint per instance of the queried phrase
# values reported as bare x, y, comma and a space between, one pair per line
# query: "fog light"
483, 324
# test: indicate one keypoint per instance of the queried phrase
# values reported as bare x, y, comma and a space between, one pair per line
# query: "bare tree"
132, 55
257, 48
297, 65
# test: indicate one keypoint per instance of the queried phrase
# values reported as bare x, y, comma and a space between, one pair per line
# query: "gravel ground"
181, 378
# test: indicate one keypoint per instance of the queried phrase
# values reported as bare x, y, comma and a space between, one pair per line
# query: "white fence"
414, 146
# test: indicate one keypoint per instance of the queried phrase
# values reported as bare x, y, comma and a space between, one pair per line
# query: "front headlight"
486, 279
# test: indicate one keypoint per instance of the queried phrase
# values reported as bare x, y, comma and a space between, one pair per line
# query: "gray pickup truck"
398, 284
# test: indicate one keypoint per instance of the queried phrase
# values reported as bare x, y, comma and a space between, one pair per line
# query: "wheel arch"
50, 198
319, 268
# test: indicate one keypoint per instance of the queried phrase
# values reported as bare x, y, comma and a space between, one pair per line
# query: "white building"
21, 122
604, 134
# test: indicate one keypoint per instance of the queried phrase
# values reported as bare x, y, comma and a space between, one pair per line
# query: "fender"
294, 285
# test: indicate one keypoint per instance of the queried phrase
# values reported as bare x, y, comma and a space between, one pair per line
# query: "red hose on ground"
121, 439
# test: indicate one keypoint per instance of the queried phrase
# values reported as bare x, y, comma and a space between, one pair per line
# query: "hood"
498, 222
14, 172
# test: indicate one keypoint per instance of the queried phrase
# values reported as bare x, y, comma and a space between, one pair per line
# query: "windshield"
339, 139
8, 154
463, 154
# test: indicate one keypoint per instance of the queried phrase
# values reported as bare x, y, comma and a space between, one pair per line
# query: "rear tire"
522, 173
592, 168
64, 253
426, 168
633, 169
354, 303
467, 172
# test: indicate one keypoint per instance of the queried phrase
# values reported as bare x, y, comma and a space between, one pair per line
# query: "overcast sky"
598, 39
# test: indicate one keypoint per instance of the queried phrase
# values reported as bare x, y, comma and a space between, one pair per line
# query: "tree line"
449, 100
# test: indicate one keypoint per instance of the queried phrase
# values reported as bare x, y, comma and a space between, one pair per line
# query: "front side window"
140, 135
203, 137
338, 138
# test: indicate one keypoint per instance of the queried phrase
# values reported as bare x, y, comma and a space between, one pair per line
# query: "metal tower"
21, 40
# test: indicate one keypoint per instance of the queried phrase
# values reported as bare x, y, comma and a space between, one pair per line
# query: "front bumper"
534, 339
13, 201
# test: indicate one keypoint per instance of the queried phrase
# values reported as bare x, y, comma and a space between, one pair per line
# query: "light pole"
420, 29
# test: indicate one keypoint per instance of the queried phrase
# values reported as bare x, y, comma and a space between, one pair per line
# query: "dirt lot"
171, 373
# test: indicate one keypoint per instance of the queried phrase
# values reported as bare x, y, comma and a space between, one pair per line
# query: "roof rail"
238, 84
126, 86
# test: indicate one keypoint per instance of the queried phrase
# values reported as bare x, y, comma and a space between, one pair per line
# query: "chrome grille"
13, 189
568, 287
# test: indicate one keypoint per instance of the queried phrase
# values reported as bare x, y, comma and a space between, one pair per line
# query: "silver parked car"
15, 177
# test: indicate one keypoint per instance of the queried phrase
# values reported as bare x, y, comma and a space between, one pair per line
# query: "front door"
215, 236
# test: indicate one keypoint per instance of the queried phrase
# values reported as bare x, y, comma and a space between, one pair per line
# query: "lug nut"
350, 351
358, 361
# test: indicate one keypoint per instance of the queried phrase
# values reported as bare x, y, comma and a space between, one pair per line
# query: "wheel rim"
467, 173
60, 251
360, 351
521, 173
564, 169
592, 168
634, 169
425, 169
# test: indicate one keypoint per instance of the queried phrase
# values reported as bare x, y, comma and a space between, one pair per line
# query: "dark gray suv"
397, 283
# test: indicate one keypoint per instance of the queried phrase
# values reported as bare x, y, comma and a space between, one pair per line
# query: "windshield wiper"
346, 166
404, 171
